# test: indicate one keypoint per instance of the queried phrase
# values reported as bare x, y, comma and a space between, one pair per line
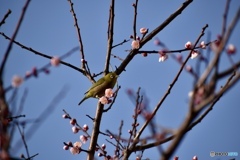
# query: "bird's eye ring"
111, 76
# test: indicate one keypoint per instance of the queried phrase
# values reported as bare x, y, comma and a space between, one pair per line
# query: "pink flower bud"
83, 138
103, 146
75, 129
73, 121
188, 45
85, 127
109, 93
55, 61
231, 49
103, 100
77, 144
179, 58
46, 71
163, 56
17, 81
157, 42
135, 44
35, 71
70, 144
203, 45
144, 54
194, 54
100, 154
175, 158
65, 116
74, 150
65, 147
189, 68
143, 30
83, 61
28, 74
195, 158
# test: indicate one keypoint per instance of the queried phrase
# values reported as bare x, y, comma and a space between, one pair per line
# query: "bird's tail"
82, 100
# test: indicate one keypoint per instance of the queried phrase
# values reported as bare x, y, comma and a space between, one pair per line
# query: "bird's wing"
94, 86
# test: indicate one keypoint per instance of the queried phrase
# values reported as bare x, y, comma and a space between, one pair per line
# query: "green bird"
98, 89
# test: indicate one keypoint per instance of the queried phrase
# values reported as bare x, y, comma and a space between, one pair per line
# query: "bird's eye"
111, 76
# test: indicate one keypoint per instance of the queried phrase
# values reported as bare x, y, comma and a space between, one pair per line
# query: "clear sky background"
48, 28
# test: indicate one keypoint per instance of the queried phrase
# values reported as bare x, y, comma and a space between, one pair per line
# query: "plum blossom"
135, 44
109, 93
231, 49
194, 54
103, 100
55, 61
83, 138
76, 148
85, 127
17, 81
75, 129
188, 45
163, 56
203, 45
143, 30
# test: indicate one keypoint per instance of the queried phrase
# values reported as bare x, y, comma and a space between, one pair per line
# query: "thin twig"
5, 57
135, 20
5, 17
175, 51
132, 53
220, 48
110, 36
225, 17
78, 33
45, 55
213, 100
124, 41
23, 139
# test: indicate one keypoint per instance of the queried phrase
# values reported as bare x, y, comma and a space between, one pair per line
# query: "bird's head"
111, 75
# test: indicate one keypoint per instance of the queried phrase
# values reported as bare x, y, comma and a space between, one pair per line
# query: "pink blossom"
195, 158
143, 30
135, 44
144, 54
109, 93
65, 116
100, 154
65, 147
103, 146
55, 61
103, 100
189, 68
175, 158
83, 61
157, 42
179, 58
163, 57
28, 74
85, 127
83, 138
17, 81
194, 54
188, 45
231, 49
203, 45
75, 129
73, 121
76, 148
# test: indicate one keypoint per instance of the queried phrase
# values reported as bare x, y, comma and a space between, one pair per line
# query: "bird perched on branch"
97, 90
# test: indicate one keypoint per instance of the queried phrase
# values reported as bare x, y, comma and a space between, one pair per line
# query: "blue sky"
48, 28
